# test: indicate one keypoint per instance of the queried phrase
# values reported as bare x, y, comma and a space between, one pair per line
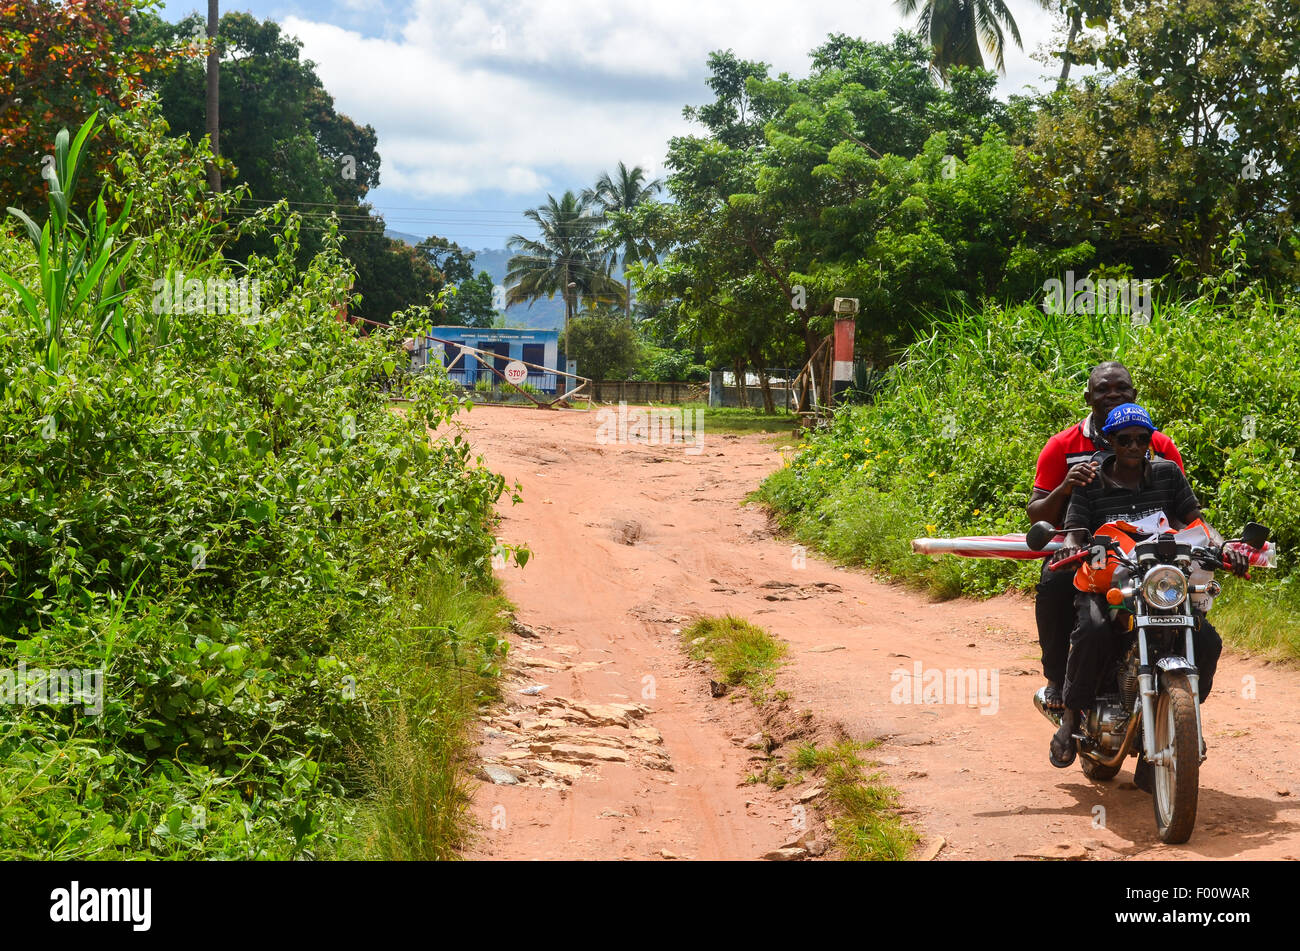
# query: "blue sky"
482, 107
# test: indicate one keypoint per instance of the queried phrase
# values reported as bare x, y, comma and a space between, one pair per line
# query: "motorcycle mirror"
1039, 535
1255, 535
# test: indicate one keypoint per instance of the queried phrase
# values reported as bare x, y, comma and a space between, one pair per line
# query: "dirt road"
624, 753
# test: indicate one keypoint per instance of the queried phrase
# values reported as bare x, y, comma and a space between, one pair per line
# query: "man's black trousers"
1054, 611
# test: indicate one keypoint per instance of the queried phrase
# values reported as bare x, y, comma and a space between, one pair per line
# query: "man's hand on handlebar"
1074, 542
1061, 554
1237, 561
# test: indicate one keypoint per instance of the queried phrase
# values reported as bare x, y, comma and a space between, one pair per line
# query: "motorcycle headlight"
1164, 587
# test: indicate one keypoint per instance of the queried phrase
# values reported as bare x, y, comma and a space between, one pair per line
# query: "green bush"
658, 365
223, 513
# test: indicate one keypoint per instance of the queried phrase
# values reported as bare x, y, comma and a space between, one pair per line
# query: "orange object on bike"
1097, 580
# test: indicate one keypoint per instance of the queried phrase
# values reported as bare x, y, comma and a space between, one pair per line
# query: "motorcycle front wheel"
1176, 782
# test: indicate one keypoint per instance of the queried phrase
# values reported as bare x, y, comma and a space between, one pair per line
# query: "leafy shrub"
223, 513
658, 365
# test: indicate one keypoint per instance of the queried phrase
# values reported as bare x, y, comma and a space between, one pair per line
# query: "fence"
467, 378
646, 391
721, 394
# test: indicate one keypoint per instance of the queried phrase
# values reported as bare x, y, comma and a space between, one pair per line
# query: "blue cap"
1126, 415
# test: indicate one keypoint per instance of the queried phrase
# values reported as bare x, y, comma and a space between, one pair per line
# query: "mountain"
411, 239
543, 315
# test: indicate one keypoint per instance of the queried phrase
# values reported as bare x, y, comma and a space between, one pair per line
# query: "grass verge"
865, 825
1261, 616
741, 652
445, 661
735, 419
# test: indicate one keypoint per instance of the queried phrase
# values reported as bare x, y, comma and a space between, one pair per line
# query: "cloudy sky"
482, 107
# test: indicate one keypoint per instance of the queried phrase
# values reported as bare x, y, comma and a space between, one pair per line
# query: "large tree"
59, 62
449, 258
1191, 136
603, 342
472, 305
280, 130
618, 196
566, 258
852, 185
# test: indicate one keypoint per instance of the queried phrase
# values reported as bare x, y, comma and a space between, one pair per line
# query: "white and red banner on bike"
1014, 546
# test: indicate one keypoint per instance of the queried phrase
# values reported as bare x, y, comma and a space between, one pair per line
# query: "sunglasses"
1140, 439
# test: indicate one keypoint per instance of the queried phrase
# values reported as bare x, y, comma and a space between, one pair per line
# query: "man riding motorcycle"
1064, 465
1129, 486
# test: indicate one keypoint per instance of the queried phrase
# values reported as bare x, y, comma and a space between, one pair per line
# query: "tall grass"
417, 764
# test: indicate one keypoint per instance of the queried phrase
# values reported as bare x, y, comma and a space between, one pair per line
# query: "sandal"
1052, 698
1064, 748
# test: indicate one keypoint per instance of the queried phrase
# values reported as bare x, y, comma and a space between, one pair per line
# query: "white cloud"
533, 95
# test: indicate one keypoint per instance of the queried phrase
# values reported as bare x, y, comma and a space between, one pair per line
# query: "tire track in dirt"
630, 541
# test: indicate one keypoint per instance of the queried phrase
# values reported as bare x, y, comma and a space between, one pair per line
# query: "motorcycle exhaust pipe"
1040, 701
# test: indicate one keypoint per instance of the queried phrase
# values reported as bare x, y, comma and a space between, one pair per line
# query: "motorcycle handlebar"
1215, 558
1066, 562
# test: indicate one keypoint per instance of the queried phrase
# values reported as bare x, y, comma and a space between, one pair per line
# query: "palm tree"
1075, 26
617, 198
1077, 13
955, 29
566, 259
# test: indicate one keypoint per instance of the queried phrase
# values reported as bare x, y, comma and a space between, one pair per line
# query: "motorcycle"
1156, 581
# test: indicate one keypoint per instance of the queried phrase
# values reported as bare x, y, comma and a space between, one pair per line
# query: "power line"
574, 227
344, 204
414, 214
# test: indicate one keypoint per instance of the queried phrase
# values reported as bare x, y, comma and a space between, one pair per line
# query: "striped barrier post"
842, 372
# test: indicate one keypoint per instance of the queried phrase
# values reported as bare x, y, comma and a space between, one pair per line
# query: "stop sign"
516, 372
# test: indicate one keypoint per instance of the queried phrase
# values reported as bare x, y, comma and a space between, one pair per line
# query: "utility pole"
570, 305
214, 125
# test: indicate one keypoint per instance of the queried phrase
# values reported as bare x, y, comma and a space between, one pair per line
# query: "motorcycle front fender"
1174, 665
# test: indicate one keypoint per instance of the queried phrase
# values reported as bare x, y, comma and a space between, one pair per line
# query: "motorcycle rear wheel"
1176, 784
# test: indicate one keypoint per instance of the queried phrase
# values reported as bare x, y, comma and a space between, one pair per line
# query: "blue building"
538, 347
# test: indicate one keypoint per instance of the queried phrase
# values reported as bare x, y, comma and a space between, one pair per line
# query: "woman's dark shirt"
1163, 488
